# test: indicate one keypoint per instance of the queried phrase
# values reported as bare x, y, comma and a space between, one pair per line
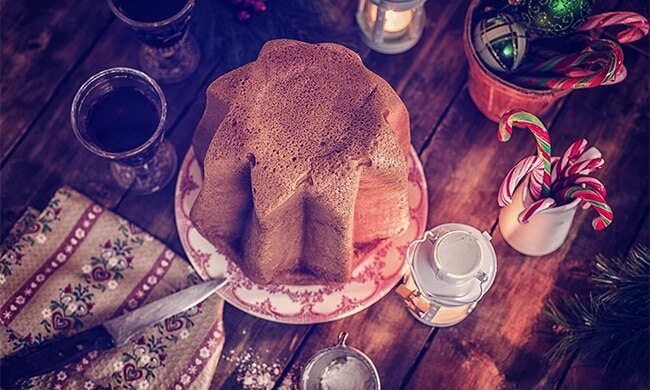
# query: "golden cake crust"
303, 153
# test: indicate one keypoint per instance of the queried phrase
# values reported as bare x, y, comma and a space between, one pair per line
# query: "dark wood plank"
42, 41
428, 77
500, 345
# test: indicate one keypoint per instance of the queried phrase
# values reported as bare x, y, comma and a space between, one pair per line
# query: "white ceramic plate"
374, 277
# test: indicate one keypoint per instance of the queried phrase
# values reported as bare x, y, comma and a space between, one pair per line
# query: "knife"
111, 334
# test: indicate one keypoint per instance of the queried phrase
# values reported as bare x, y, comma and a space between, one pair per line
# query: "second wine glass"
169, 52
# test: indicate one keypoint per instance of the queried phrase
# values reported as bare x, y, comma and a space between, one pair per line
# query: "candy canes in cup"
535, 221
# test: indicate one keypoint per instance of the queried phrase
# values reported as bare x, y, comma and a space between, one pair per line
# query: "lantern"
391, 26
451, 269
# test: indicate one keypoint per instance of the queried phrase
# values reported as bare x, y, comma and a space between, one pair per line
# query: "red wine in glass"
120, 114
122, 120
170, 53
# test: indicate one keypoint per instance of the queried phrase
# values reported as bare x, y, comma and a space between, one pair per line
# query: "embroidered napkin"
23, 223
76, 265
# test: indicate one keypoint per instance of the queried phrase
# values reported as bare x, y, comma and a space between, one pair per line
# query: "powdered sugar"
254, 374
346, 372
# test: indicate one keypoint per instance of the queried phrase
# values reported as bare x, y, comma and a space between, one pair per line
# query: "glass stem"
144, 170
167, 52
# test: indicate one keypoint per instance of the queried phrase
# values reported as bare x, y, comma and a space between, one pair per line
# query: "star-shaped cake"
304, 163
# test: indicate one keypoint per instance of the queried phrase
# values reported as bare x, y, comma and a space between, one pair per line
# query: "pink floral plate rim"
372, 279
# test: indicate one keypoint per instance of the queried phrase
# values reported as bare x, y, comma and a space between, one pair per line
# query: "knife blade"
111, 334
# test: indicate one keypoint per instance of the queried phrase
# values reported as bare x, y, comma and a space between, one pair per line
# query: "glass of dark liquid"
120, 114
169, 54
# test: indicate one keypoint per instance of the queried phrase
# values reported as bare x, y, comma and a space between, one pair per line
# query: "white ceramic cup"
544, 233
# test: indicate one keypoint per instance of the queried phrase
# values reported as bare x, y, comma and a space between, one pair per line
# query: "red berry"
260, 6
243, 15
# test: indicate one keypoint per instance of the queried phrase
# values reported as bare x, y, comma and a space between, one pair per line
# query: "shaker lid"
457, 255
453, 264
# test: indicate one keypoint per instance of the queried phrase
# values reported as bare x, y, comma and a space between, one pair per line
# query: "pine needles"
613, 326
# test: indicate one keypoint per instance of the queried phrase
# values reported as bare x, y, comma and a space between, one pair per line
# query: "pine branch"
611, 326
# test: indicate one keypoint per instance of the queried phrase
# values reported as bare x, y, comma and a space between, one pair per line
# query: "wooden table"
50, 47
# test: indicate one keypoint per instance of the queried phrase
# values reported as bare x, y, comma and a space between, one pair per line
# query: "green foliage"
612, 325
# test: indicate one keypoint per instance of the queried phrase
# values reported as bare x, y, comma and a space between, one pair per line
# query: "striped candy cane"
583, 167
601, 63
516, 174
590, 154
535, 208
572, 153
582, 180
543, 140
637, 26
605, 213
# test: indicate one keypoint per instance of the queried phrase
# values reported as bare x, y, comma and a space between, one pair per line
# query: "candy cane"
535, 182
535, 208
590, 154
542, 138
576, 71
595, 52
555, 162
637, 26
593, 153
605, 213
571, 82
583, 167
516, 174
584, 181
572, 153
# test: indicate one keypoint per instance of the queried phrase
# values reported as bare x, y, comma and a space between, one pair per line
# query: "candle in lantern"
394, 21
391, 26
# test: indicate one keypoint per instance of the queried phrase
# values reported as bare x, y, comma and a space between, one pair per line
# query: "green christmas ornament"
552, 18
500, 42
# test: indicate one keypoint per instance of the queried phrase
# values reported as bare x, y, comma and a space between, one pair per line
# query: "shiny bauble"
500, 42
552, 18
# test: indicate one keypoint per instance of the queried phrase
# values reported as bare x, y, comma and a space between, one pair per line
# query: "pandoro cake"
304, 163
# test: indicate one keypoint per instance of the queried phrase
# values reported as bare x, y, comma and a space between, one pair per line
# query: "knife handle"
52, 356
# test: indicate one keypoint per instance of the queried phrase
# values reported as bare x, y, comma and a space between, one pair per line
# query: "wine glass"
119, 114
170, 53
